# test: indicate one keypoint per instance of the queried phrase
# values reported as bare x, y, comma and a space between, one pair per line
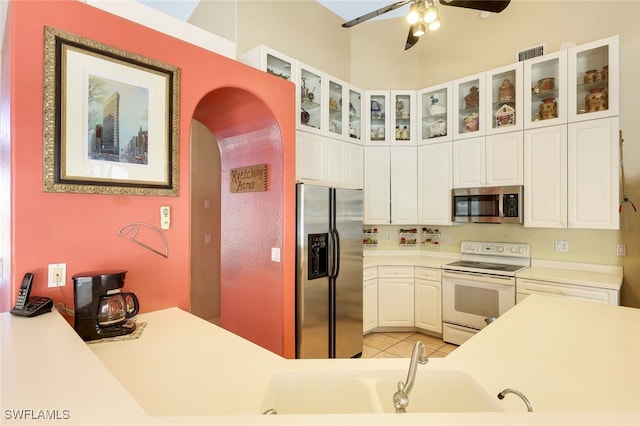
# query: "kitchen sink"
371, 391
437, 391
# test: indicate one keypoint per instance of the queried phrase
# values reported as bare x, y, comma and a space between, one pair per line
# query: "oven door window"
477, 301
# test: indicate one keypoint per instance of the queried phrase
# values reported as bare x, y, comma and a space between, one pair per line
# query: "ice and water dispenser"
318, 260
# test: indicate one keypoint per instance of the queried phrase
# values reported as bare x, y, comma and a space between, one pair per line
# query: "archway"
256, 302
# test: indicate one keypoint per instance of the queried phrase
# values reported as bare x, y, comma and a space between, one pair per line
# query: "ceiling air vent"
529, 53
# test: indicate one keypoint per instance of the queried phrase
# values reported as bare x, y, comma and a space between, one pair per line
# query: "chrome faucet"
401, 397
502, 394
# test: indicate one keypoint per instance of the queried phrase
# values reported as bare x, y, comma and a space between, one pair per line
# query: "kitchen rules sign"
248, 179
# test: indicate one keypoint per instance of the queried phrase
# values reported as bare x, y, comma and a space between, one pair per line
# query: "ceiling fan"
423, 14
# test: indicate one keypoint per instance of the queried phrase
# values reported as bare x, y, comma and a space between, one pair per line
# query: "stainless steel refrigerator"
328, 272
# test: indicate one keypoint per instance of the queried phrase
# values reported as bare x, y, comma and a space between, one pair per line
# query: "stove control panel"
495, 249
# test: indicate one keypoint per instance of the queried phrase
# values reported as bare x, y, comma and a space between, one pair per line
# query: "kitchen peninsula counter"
576, 361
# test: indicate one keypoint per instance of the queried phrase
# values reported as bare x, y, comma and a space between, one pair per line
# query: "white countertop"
588, 275
576, 361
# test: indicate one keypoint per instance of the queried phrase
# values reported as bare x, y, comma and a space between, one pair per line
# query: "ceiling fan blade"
411, 39
375, 13
495, 6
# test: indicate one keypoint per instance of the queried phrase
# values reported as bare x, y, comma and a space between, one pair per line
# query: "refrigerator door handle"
336, 245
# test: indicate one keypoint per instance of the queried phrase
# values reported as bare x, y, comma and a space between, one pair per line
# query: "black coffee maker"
102, 309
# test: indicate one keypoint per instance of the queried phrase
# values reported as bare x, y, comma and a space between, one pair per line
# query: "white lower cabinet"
395, 296
370, 298
428, 299
527, 286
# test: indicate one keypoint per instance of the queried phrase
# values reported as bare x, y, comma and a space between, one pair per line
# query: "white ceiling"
351, 9
346, 9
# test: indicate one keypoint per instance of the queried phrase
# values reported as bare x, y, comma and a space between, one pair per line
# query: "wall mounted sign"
111, 119
248, 179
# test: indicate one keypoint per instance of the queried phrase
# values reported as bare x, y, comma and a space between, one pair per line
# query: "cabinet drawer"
432, 274
369, 272
602, 295
395, 271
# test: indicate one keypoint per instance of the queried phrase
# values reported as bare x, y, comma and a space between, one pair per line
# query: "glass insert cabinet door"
334, 107
310, 96
377, 103
504, 99
469, 107
355, 115
403, 120
545, 102
593, 80
279, 67
435, 114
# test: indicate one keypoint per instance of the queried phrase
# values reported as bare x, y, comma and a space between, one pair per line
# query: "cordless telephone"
30, 306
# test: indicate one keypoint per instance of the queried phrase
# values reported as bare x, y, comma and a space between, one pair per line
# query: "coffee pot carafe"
114, 309
101, 308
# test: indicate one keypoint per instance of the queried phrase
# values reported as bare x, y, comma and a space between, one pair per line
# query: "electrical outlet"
562, 246
447, 239
621, 250
57, 274
388, 237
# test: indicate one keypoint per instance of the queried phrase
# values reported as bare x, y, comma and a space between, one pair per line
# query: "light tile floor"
400, 345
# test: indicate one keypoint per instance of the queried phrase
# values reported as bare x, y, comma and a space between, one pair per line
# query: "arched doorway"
256, 294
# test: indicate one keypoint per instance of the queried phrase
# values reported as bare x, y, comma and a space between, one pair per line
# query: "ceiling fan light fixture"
430, 15
414, 14
418, 29
434, 25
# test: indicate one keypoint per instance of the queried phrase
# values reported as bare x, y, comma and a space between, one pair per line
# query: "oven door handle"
484, 278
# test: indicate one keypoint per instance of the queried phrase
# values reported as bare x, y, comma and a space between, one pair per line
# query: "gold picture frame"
111, 119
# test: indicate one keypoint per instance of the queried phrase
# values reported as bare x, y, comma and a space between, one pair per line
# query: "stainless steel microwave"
496, 204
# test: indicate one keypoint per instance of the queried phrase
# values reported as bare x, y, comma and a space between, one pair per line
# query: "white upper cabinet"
343, 110
594, 174
545, 177
355, 114
504, 99
334, 114
404, 185
594, 80
403, 118
377, 189
546, 103
377, 123
505, 159
469, 107
273, 62
434, 184
435, 106
390, 185
469, 163
309, 90
496, 160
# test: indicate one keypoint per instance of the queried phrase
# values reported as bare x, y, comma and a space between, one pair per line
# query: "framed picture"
110, 119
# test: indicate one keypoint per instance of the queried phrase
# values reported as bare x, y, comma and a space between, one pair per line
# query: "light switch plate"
275, 254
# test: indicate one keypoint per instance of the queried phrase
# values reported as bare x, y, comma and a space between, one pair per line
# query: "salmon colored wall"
82, 230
